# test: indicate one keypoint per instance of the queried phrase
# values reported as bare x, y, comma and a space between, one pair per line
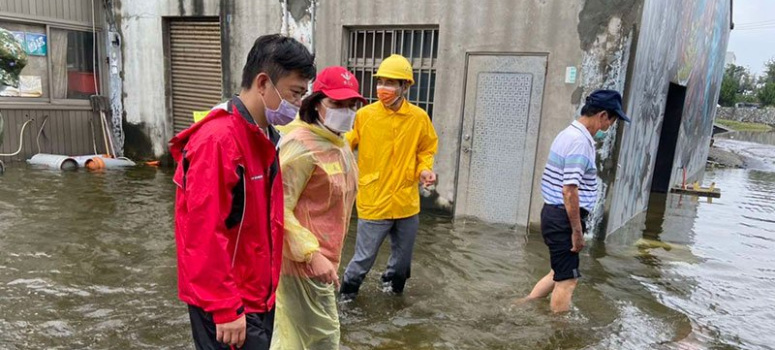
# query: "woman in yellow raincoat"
320, 179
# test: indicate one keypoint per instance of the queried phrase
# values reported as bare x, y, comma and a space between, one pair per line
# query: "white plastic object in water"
55, 161
81, 160
102, 162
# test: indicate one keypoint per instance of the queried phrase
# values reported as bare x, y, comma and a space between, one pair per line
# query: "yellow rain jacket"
319, 181
393, 149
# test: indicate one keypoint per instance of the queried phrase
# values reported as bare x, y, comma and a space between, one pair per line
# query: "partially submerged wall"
683, 42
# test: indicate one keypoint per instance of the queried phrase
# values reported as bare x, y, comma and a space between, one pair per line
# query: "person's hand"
427, 178
323, 270
232, 333
578, 241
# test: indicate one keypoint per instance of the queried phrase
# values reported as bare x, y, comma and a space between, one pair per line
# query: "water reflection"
709, 261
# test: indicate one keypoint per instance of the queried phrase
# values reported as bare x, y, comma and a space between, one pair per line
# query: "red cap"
338, 83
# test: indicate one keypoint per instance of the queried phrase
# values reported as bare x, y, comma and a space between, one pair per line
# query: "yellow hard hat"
396, 67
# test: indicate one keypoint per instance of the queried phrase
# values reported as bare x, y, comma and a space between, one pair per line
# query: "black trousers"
258, 335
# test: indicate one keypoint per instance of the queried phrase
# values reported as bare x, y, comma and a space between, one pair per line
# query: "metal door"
502, 109
195, 68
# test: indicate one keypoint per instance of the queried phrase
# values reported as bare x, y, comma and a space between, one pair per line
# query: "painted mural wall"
606, 33
682, 42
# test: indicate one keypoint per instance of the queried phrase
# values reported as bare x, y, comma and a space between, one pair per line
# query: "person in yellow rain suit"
396, 144
320, 180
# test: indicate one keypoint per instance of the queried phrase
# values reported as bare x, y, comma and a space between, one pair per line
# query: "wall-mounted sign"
570, 75
36, 44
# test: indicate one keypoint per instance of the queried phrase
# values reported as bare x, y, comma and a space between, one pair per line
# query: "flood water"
87, 261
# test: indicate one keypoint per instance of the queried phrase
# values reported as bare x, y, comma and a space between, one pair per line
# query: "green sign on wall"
36, 44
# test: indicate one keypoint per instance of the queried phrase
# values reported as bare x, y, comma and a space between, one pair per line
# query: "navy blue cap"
609, 100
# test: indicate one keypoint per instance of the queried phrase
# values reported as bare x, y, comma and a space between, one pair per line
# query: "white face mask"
339, 119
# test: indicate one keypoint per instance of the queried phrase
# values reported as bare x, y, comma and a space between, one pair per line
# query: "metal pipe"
285, 17
112, 150
313, 10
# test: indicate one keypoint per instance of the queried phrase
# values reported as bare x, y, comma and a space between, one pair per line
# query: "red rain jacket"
228, 214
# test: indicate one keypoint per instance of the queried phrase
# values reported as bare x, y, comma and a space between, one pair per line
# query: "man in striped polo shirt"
569, 188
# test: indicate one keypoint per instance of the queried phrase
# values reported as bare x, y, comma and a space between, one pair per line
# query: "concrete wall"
683, 42
148, 120
763, 115
598, 46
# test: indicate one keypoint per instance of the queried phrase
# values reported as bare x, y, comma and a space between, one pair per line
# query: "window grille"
366, 47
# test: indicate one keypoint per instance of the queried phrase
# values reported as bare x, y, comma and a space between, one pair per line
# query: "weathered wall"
763, 115
145, 101
592, 35
606, 29
141, 26
683, 42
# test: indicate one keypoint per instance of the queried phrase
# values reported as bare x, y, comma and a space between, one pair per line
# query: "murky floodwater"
87, 261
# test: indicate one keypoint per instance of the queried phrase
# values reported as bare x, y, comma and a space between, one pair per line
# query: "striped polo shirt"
571, 162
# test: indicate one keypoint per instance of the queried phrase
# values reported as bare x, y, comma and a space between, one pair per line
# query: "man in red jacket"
229, 202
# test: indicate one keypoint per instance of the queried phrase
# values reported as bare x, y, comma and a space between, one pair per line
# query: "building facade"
67, 43
500, 78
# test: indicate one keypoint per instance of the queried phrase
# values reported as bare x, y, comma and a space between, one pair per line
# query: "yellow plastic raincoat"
320, 179
393, 149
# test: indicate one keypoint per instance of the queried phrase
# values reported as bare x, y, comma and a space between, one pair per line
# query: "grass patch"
744, 126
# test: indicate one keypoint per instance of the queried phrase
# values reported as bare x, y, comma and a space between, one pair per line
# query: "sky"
753, 39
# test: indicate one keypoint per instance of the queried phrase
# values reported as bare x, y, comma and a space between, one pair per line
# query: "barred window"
366, 47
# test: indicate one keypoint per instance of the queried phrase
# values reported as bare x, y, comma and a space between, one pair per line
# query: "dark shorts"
557, 231
258, 337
